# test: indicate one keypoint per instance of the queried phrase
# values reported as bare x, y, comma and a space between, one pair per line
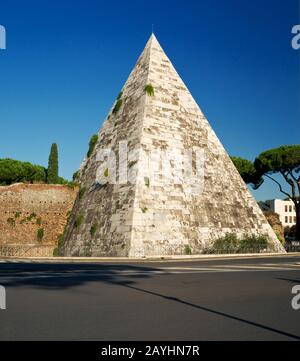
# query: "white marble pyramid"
159, 205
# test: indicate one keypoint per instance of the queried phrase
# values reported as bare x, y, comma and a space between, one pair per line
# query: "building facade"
285, 209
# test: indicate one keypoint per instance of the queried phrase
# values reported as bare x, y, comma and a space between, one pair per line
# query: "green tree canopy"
284, 161
52, 174
14, 171
247, 171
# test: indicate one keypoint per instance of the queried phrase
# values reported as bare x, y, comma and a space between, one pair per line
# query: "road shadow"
64, 276
291, 280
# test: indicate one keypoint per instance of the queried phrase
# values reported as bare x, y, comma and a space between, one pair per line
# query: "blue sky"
66, 61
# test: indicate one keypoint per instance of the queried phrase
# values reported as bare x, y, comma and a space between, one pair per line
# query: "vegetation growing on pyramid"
231, 243
132, 163
78, 221
92, 144
93, 229
14, 171
187, 250
149, 90
75, 175
52, 172
81, 192
117, 106
147, 182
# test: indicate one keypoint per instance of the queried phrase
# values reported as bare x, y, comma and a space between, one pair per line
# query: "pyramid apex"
153, 42
152, 38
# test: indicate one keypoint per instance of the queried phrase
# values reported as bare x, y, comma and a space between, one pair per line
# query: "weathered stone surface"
146, 217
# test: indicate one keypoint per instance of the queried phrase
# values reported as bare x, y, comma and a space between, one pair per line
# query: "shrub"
56, 252
149, 90
39, 221
78, 221
75, 175
31, 217
72, 185
232, 244
60, 240
144, 209
253, 244
63, 181
93, 229
92, 143
187, 249
11, 221
106, 173
17, 214
40, 234
117, 107
81, 192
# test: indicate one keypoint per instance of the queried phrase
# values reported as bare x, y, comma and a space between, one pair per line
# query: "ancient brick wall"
32, 216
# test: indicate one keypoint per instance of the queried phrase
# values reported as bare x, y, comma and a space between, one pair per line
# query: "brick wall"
26, 208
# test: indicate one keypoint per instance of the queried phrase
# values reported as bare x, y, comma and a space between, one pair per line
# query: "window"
291, 219
295, 219
291, 208
286, 219
286, 208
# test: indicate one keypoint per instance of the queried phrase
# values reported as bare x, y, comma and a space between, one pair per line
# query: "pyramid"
170, 185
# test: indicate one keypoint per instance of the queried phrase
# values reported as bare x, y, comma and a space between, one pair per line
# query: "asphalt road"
248, 299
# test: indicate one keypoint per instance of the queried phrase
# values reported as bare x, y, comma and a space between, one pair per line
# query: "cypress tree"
52, 174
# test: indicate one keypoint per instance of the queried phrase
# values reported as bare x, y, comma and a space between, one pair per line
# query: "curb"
142, 260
